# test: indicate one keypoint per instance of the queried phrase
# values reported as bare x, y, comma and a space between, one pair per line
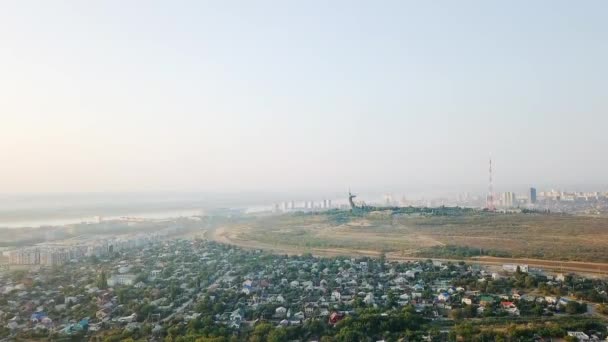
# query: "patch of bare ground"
537, 240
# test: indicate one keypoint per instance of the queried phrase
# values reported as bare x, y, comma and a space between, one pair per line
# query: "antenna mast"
490, 198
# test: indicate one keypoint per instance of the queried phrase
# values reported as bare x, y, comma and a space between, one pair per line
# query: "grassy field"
550, 237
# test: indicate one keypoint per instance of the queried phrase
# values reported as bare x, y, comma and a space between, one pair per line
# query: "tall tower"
490, 198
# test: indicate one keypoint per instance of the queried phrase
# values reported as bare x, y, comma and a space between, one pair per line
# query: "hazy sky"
288, 95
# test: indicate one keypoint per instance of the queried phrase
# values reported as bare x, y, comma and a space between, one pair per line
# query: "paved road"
177, 311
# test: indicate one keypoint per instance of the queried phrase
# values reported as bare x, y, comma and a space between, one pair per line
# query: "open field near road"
549, 241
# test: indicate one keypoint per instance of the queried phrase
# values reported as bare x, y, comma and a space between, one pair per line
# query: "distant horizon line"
431, 188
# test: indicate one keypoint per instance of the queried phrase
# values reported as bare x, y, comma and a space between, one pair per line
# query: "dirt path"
588, 268
556, 265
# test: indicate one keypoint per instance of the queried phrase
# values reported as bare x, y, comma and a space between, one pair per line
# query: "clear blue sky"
288, 95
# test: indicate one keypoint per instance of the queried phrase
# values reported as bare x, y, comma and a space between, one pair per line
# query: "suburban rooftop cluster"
167, 289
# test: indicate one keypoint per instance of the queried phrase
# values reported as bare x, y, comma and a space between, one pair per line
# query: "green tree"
466, 331
277, 335
456, 314
260, 332
102, 281
573, 307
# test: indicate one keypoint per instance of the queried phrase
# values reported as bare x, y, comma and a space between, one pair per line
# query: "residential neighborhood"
172, 289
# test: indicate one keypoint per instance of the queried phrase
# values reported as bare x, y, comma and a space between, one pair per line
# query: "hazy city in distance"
33, 210
310, 171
